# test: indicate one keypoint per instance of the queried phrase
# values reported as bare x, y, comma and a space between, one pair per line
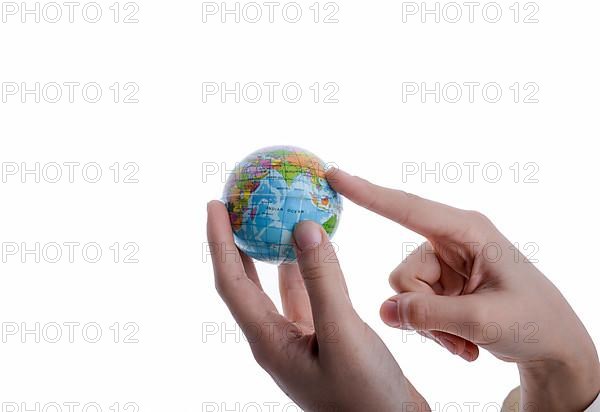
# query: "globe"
269, 192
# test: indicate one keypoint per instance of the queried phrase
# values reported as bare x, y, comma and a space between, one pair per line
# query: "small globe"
269, 192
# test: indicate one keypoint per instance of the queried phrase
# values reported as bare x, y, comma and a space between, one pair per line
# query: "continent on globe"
269, 192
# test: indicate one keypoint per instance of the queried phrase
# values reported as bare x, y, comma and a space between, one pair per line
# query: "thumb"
322, 276
457, 315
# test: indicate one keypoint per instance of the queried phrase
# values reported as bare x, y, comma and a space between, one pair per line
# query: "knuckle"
414, 312
406, 214
261, 356
225, 282
479, 219
479, 226
312, 273
398, 280
392, 279
479, 316
370, 202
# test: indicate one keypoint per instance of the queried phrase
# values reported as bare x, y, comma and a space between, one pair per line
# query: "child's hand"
466, 287
320, 353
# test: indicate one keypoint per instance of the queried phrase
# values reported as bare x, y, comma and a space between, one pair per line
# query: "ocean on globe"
269, 192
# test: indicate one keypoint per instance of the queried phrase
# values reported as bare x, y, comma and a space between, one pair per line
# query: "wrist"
560, 384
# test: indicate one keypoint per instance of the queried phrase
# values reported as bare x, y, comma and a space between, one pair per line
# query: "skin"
319, 351
466, 288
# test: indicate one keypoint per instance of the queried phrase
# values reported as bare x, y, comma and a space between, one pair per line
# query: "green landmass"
329, 224
290, 171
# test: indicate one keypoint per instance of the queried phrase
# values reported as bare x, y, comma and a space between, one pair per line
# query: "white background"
173, 137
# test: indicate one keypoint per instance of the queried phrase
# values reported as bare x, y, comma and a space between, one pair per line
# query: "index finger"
247, 303
423, 216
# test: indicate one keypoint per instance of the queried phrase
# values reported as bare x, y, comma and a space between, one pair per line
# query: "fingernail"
448, 344
389, 313
307, 235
